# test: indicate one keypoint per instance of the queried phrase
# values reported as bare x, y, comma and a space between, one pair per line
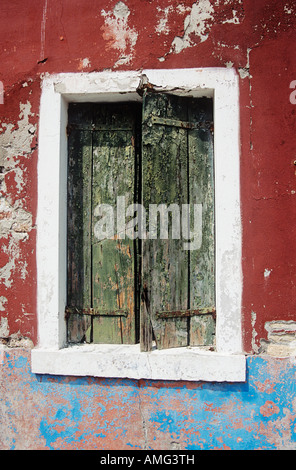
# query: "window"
87, 322
161, 166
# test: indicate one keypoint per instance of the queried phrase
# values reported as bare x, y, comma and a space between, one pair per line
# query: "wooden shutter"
102, 273
178, 300
79, 221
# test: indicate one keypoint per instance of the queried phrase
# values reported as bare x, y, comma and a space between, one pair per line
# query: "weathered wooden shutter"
178, 289
102, 273
178, 300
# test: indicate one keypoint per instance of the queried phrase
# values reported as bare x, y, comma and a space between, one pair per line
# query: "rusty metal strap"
183, 124
95, 312
186, 313
97, 127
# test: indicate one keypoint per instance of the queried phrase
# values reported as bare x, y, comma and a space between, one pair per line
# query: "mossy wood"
177, 167
106, 276
101, 272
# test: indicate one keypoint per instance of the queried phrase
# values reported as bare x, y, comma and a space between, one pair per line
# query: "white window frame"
52, 355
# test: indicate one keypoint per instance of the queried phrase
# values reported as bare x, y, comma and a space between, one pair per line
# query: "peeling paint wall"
91, 413
17, 145
257, 39
281, 338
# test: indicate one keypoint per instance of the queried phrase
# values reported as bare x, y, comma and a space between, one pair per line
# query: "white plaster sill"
126, 361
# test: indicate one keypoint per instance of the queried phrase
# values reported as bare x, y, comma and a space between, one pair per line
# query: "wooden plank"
113, 258
113, 288
80, 116
146, 328
164, 173
78, 327
202, 330
107, 331
79, 230
201, 191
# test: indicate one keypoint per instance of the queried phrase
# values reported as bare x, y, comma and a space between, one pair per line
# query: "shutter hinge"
186, 313
95, 312
209, 125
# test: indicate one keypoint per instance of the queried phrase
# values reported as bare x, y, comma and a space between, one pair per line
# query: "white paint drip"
43, 25
288, 10
14, 253
254, 334
4, 329
229, 64
245, 71
16, 141
118, 33
162, 25
234, 19
196, 23
3, 301
267, 273
85, 62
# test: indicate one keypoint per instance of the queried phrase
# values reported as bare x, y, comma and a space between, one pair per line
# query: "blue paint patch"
258, 414
169, 421
48, 433
233, 416
20, 362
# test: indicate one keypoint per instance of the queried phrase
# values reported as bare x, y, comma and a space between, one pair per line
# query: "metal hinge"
95, 312
183, 124
186, 313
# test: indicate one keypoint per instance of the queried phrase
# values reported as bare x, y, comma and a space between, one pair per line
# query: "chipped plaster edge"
57, 91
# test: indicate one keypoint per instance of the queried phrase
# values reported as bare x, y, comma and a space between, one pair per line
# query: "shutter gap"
121, 335
137, 199
188, 251
91, 226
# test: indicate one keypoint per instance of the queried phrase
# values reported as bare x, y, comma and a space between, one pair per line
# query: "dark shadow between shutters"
161, 155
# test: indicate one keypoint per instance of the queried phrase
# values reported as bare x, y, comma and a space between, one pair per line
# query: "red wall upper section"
257, 37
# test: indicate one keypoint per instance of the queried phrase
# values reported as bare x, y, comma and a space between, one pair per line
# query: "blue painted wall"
49, 412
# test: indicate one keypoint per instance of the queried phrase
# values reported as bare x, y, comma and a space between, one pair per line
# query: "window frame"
52, 355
